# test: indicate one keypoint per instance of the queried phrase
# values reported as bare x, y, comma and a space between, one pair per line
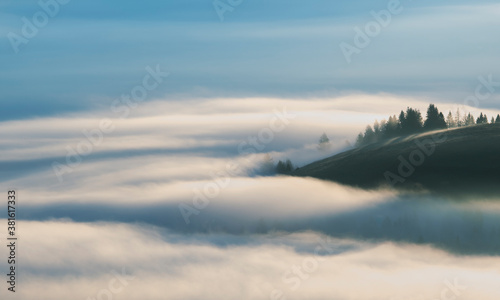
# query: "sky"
90, 53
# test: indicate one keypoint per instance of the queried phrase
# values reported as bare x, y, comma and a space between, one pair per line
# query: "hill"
457, 161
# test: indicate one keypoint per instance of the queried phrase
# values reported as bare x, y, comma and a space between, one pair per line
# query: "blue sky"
91, 52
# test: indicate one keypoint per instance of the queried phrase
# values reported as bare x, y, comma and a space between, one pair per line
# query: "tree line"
411, 122
268, 167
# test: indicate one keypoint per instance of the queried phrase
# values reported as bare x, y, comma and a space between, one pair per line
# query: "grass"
466, 161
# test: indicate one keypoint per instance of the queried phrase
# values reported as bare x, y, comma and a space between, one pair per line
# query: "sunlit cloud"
154, 263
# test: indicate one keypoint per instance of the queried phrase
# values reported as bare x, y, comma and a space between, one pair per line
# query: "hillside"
465, 160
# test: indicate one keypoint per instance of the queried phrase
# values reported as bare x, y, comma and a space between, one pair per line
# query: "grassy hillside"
465, 160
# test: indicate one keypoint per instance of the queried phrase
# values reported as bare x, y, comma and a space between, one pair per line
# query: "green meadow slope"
464, 160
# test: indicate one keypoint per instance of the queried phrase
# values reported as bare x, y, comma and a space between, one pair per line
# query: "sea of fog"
177, 202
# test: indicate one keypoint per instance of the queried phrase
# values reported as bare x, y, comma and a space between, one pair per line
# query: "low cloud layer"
131, 262
173, 200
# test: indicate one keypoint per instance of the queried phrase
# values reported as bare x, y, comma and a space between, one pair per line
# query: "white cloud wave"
82, 258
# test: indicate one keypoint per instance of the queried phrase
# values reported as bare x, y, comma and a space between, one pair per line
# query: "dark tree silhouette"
267, 165
458, 118
376, 128
280, 167
402, 122
324, 139
412, 121
482, 119
435, 119
369, 135
451, 121
469, 120
324, 143
392, 127
284, 167
360, 140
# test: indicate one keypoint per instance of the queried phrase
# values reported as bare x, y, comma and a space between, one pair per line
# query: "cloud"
118, 211
205, 123
85, 258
